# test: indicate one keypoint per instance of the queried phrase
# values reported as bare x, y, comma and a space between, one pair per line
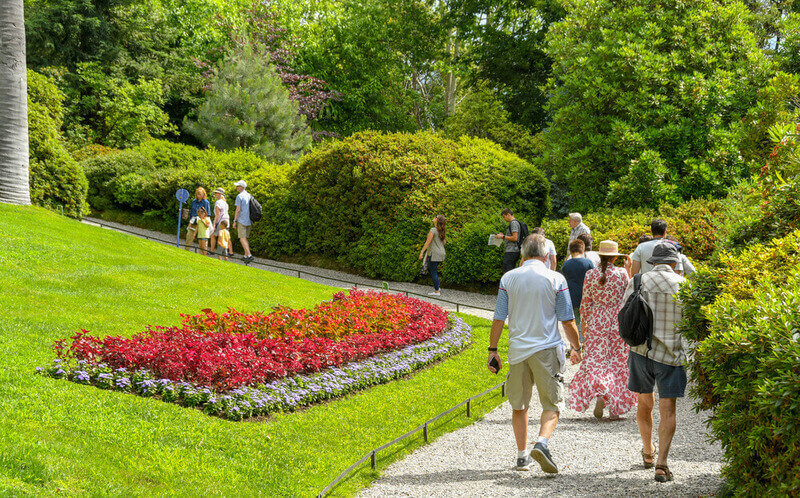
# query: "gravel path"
594, 457
329, 277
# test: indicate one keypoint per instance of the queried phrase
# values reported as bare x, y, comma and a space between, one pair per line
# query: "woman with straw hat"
604, 372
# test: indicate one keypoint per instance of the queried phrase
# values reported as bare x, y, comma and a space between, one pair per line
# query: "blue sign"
182, 195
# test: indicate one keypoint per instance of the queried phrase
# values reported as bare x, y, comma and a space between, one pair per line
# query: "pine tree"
248, 107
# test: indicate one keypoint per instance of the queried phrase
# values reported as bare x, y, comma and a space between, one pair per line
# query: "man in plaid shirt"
663, 364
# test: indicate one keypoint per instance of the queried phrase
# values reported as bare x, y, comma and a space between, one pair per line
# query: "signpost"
182, 195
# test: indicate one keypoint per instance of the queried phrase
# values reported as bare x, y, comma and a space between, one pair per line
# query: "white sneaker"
435, 293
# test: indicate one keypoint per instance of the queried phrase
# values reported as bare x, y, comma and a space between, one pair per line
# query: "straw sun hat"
608, 248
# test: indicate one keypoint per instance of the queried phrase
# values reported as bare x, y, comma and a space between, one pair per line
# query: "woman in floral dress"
604, 371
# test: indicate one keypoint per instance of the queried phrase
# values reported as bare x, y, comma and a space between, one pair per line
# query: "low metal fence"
459, 306
372, 454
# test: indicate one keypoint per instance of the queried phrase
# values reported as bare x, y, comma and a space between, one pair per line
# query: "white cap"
241, 183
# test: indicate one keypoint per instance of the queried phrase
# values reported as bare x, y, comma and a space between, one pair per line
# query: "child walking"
203, 229
224, 240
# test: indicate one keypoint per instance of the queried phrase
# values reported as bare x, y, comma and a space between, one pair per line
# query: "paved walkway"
595, 457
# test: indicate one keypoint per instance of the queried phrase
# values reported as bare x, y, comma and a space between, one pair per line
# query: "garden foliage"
56, 179
648, 99
368, 200
248, 107
743, 313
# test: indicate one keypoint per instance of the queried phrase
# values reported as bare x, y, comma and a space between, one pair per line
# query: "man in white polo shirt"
534, 299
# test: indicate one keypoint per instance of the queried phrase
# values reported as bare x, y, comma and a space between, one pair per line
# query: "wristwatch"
492, 350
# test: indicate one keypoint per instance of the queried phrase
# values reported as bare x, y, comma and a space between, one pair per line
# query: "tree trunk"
14, 183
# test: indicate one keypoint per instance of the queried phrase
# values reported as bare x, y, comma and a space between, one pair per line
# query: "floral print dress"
604, 369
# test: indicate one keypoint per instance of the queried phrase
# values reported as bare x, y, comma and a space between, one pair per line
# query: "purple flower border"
281, 395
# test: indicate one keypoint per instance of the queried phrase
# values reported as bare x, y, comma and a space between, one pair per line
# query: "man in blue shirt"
534, 299
574, 270
241, 219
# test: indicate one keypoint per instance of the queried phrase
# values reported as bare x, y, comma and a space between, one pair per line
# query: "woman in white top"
220, 215
436, 241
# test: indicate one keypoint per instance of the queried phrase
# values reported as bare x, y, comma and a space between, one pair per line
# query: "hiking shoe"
524, 463
542, 456
248, 259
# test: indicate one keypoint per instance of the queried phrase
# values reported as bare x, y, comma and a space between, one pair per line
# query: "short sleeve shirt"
574, 271
551, 251
511, 246
243, 203
644, 251
534, 299
437, 246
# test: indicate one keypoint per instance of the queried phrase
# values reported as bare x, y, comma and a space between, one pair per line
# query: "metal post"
374, 460
469, 401
503, 390
425, 431
457, 309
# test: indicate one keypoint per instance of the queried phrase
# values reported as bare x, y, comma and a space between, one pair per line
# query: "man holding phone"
534, 299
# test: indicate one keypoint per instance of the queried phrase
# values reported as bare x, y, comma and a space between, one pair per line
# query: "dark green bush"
56, 179
779, 215
144, 179
368, 201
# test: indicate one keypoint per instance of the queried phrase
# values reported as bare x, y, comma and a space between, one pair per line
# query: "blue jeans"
433, 268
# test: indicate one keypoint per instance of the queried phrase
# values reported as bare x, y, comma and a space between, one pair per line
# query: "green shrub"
368, 201
56, 180
750, 360
144, 179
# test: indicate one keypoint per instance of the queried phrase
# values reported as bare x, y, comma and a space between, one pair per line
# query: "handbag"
185, 214
424, 269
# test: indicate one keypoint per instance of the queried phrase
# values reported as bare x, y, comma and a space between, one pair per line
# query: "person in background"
511, 252
220, 215
603, 376
535, 300
200, 200
577, 226
550, 261
662, 365
644, 250
688, 267
592, 256
224, 239
241, 218
203, 229
574, 271
436, 240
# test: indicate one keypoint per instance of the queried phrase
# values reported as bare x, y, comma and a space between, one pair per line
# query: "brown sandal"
666, 476
648, 456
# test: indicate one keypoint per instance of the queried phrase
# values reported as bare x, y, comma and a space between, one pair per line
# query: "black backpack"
255, 210
523, 234
636, 318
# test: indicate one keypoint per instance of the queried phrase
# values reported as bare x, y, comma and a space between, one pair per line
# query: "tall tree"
14, 186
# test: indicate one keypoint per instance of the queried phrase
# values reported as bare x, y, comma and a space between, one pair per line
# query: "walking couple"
534, 299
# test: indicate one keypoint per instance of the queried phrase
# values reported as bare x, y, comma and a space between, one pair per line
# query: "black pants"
510, 261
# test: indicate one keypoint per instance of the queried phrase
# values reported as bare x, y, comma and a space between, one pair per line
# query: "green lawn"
59, 437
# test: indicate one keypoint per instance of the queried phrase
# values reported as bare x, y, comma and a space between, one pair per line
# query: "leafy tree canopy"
649, 92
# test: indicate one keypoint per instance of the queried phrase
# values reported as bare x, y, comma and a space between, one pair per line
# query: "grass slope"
59, 437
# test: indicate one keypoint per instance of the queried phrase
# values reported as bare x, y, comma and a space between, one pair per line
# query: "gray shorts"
542, 369
646, 373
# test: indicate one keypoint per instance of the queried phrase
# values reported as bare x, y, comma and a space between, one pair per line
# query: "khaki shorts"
243, 231
543, 369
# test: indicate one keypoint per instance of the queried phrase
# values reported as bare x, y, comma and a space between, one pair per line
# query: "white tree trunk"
14, 183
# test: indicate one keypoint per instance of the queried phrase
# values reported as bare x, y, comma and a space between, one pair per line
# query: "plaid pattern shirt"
659, 287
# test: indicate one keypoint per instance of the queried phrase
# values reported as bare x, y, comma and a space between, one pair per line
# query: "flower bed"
238, 365
281, 395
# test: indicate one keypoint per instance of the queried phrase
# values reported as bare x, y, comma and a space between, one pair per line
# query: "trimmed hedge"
144, 179
744, 310
697, 224
368, 200
56, 180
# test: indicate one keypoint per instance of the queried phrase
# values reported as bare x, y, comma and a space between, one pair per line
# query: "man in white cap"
241, 219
